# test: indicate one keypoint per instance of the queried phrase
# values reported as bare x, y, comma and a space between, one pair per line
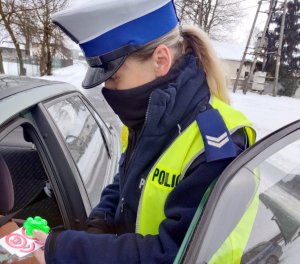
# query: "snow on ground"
267, 113
72, 74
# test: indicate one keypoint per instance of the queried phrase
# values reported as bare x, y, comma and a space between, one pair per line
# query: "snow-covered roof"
229, 51
10, 45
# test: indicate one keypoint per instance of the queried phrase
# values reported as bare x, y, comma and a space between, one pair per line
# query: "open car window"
252, 215
31, 184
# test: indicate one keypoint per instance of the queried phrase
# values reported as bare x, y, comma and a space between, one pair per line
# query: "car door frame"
78, 198
64, 163
190, 253
113, 144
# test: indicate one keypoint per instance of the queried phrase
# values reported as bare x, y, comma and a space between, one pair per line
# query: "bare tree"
8, 8
28, 22
2, 37
25, 24
49, 38
1, 63
213, 16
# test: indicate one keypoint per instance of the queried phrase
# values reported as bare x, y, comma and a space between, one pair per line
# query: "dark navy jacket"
176, 104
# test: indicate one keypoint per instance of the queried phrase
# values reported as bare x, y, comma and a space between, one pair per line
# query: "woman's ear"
162, 60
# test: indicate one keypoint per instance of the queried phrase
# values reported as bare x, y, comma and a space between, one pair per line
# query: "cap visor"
96, 76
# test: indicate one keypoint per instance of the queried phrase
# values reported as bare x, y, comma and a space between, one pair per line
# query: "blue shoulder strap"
216, 137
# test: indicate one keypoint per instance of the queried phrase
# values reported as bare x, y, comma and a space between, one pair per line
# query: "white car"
60, 154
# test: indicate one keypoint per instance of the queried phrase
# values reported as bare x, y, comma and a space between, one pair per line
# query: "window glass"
85, 142
104, 128
257, 218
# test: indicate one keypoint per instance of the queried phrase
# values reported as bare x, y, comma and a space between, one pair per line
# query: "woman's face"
134, 72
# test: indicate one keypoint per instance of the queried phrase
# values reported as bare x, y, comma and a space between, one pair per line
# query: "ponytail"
186, 38
197, 40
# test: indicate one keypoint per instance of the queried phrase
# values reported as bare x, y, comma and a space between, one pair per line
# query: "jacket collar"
170, 105
131, 104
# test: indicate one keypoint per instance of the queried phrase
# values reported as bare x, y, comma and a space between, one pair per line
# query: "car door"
83, 148
253, 212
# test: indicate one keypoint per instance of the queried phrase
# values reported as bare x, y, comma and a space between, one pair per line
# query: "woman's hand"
40, 254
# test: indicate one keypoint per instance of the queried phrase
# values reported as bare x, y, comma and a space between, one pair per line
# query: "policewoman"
165, 84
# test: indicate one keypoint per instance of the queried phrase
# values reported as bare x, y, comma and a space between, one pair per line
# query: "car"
268, 175
59, 152
48, 134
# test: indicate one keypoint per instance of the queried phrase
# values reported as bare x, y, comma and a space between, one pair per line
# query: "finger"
40, 256
41, 236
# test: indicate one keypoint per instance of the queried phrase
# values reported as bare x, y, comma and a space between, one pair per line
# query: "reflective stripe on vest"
173, 164
124, 138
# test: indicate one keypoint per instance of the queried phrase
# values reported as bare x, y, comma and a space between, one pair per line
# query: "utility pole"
247, 46
259, 46
260, 43
279, 49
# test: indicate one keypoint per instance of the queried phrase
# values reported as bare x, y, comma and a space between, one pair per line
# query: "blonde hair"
191, 38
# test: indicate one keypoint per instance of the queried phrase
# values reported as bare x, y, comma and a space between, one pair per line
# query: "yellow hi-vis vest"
173, 164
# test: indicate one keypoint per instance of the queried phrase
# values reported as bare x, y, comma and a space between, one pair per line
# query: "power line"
250, 7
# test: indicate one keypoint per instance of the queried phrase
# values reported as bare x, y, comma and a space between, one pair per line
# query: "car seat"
6, 197
30, 180
7, 204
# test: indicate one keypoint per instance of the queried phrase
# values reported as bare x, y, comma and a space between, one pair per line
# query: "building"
231, 55
9, 52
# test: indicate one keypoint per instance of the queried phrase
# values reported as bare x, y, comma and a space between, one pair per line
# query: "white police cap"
108, 30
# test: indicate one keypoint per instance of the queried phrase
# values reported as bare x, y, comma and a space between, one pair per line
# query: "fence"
31, 64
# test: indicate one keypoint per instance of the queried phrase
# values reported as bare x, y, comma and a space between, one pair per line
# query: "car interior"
25, 190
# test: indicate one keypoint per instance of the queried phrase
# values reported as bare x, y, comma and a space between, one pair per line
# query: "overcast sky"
242, 30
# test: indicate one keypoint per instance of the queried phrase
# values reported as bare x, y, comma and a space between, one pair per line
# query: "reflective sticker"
216, 137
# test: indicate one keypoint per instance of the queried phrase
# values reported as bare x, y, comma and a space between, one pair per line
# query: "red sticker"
20, 244
16, 241
28, 248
